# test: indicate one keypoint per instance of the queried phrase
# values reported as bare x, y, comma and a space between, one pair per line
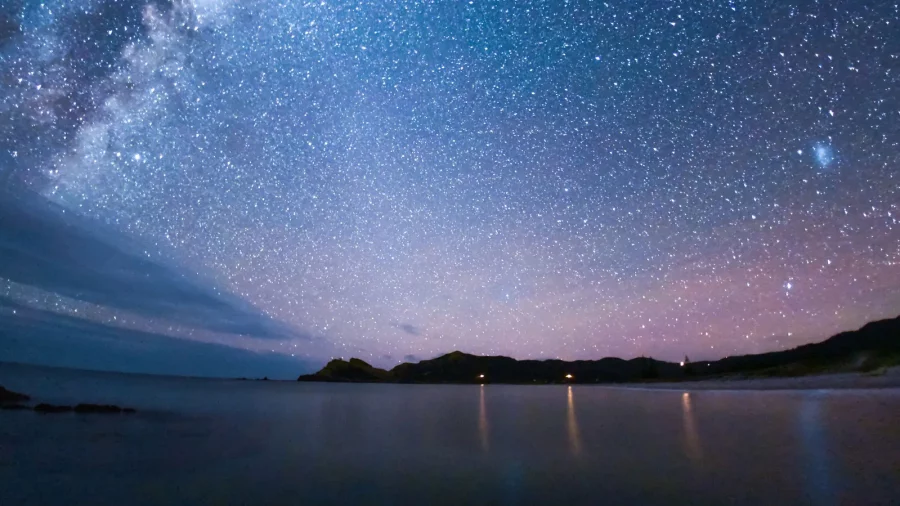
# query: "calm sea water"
200, 441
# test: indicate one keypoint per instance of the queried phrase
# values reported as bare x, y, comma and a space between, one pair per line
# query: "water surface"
251, 442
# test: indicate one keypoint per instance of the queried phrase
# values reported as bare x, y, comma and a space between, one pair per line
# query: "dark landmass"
355, 370
12, 397
875, 347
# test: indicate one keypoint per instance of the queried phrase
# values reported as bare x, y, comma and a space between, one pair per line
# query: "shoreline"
889, 378
885, 379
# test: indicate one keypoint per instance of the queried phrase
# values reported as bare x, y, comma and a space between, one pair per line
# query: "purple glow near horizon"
532, 179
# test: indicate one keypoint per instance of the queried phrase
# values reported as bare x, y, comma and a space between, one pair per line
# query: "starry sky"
396, 180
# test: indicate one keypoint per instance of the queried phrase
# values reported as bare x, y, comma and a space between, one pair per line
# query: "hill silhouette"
875, 345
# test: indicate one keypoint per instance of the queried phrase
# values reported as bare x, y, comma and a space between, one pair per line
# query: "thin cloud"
408, 328
43, 247
41, 337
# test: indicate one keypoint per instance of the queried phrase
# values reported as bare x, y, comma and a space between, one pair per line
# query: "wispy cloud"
36, 336
43, 247
408, 328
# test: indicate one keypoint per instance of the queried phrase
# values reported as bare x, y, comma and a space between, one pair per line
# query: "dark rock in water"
52, 408
82, 408
14, 407
10, 396
97, 408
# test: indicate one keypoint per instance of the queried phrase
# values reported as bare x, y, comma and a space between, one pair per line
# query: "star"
507, 177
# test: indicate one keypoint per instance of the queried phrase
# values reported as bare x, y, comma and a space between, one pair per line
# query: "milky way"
554, 178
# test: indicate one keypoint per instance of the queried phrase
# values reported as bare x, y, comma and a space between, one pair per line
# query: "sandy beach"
889, 378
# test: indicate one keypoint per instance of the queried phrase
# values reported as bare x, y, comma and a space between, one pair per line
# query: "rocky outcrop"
14, 407
12, 401
82, 408
101, 408
354, 371
8, 396
51, 408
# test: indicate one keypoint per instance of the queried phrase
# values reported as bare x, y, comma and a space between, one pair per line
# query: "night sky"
396, 180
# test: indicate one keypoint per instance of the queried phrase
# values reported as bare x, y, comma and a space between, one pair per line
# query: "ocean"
206, 441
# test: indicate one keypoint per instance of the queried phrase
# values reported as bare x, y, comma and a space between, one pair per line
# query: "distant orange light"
481, 376
569, 376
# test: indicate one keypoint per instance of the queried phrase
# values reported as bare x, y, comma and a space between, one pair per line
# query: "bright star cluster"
572, 179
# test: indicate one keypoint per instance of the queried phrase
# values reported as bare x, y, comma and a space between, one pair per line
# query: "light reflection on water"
691, 437
248, 442
482, 421
572, 424
816, 463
